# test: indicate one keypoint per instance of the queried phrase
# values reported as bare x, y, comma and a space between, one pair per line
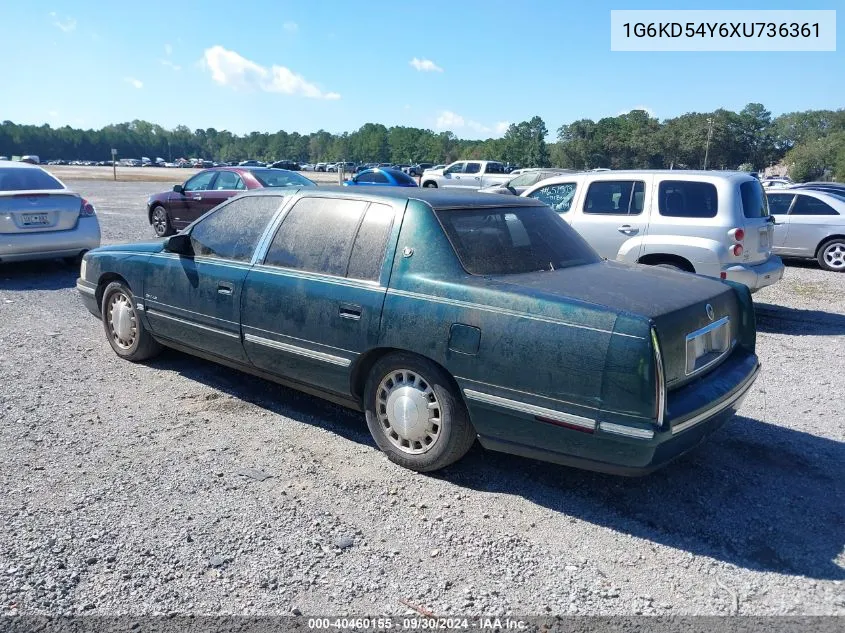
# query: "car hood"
633, 288
155, 246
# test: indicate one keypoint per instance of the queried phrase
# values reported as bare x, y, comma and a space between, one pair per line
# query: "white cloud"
425, 65
638, 107
170, 64
501, 127
449, 120
67, 24
228, 68
168, 50
53, 113
136, 83
290, 27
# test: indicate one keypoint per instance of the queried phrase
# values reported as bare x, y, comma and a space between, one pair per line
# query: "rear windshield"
754, 204
26, 179
401, 177
280, 178
513, 240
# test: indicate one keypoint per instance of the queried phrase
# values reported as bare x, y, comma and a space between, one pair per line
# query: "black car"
290, 165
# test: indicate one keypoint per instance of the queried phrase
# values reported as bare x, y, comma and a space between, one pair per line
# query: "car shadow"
38, 275
775, 319
270, 396
756, 495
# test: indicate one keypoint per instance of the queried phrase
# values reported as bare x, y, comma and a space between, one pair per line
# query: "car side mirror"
178, 189
179, 244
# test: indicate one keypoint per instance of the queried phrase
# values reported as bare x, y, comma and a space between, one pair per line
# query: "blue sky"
468, 66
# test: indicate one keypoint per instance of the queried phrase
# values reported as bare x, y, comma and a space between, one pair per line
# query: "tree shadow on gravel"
268, 395
775, 319
756, 495
38, 275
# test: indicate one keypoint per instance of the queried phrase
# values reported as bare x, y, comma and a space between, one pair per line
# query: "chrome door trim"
207, 328
530, 409
299, 351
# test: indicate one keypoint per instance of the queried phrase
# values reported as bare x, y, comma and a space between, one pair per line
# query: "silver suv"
707, 222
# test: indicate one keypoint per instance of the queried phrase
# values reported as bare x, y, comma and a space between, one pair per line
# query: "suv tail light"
737, 250
737, 235
86, 209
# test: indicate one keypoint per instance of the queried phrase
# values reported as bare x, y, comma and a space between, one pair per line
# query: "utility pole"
709, 136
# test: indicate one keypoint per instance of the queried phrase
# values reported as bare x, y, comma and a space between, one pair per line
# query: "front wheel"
126, 333
832, 255
414, 413
161, 222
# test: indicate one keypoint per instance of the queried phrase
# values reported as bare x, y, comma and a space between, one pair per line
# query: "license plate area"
708, 345
35, 219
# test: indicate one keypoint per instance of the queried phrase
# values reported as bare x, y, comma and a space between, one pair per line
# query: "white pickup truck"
466, 174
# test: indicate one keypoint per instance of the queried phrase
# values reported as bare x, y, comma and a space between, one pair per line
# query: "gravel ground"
181, 486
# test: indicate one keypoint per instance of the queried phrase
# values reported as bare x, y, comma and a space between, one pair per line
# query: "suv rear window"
688, 199
27, 179
513, 240
754, 203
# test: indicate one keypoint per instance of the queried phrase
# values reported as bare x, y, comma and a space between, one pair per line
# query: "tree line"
811, 143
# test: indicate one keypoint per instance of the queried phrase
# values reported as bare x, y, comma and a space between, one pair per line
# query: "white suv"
708, 222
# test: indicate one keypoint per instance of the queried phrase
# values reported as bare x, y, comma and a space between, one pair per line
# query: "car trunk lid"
38, 210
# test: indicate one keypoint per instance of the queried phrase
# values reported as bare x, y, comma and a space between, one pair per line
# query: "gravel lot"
139, 488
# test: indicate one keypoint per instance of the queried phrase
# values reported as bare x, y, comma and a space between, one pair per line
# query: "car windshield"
513, 240
25, 179
280, 178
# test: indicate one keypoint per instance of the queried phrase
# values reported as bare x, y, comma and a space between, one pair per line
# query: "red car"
173, 210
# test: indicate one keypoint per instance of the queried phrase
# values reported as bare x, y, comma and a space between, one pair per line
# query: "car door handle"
350, 311
225, 289
197, 197
627, 229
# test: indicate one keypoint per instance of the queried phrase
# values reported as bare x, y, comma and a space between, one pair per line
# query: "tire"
402, 378
831, 255
124, 330
671, 267
161, 221
430, 185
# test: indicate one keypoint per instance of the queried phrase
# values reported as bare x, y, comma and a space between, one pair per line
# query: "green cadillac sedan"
444, 317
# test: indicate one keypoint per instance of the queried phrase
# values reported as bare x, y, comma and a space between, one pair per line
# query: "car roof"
437, 199
18, 164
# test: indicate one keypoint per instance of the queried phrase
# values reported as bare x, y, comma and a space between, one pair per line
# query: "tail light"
659, 381
737, 249
86, 209
737, 234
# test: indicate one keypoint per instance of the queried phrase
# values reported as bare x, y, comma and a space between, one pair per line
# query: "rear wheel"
430, 185
125, 332
669, 266
414, 413
161, 222
832, 255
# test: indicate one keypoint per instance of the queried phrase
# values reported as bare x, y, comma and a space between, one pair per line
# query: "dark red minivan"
173, 210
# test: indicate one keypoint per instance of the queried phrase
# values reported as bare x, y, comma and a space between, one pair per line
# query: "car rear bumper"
757, 276
50, 244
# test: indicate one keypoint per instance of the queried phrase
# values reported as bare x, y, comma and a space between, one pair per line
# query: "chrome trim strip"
661, 379
530, 409
304, 340
628, 431
207, 328
523, 315
86, 290
363, 284
683, 426
299, 351
707, 328
181, 309
526, 393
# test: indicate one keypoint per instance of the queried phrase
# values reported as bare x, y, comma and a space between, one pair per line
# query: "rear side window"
472, 168
779, 203
228, 180
754, 204
26, 179
687, 199
558, 197
513, 240
368, 251
233, 231
317, 235
615, 197
807, 205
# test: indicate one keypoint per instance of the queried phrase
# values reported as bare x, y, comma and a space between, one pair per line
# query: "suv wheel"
832, 255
